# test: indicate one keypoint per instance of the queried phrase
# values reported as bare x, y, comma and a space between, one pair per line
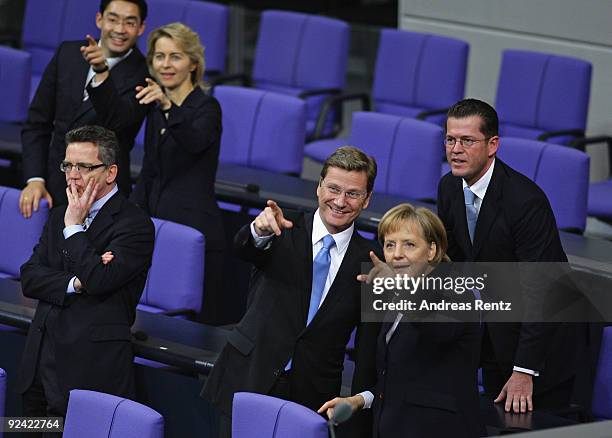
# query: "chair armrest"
242, 78
423, 115
318, 91
581, 143
333, 102
189, 313
549, 134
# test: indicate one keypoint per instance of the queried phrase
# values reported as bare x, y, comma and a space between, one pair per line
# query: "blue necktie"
320, 269
471, 212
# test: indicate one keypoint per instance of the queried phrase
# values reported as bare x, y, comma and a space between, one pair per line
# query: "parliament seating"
15, 73
262, 416
94, 414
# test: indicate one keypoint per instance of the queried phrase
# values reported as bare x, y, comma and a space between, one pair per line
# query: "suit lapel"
489, 209
345, 275
104, 218
302, 242
77, 88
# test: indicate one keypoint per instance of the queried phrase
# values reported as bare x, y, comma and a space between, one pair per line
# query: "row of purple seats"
115, 417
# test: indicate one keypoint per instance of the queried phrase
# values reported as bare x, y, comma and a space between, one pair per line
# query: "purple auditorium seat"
543, 96
2, 392
602, 387
161, 12
262, 129
94, 414
46, 24
417, 75
262, 416
18, 235
15, 72
408, 153
176, 277
521, 154
563, 174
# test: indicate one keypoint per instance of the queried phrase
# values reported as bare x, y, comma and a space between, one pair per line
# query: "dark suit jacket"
91, 330
427, 375
58, 107
515, 223
177, 181
274, 330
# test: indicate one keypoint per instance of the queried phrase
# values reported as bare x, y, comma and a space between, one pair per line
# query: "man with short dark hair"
85, 83
304, 300
87, 273
494, 214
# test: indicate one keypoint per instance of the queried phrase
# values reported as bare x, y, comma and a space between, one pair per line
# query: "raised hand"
93, 54
78, 206
30, 198
152, 93
380, 269
271, 220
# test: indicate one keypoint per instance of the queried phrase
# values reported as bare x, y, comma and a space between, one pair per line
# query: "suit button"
380, 396
384, 372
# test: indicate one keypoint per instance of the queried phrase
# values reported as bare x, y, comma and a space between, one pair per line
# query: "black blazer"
427, 374
515, 223
274, 330
177, 181
58, 107
90, 331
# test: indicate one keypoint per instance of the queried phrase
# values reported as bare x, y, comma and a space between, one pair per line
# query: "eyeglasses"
66, 167
466, 142
129, 23
334, 190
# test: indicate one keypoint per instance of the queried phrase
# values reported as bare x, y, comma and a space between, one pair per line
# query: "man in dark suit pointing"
87, 273
494, 214
85, 83
304, 298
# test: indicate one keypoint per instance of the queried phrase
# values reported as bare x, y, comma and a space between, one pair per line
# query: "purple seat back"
521, 154
18, 235
262, 416
80, 19
15, 73
418, 72
262, 129
602, 387
176, 277
563, 174
408, 153
540, 92
208, 20
115, 417
2, 392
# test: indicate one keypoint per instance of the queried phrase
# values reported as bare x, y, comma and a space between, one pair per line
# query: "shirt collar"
479, 188
97, 206
319, 231
117, 59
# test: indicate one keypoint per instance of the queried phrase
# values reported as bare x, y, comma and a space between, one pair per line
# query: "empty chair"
18, 235
46, 24
408, 153
98, 415
602, 387
300, 55
262, 416
262, 129
542, 96
208, 20
15, 72
417, 75
561, 172
176, 277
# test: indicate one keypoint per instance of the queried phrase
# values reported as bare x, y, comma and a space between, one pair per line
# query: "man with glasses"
304, 298
494, 214
87, 273
86, 82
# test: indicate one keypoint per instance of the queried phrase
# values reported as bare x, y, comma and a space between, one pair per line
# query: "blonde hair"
431, 226
188, 41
